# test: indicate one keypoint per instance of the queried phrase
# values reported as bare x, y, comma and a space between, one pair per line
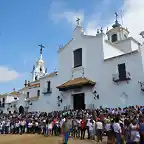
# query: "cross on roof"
41, 47
78, 19
116, 15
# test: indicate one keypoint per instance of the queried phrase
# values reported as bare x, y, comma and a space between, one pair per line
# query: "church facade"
102, 70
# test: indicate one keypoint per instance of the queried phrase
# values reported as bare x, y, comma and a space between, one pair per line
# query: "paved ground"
38, 139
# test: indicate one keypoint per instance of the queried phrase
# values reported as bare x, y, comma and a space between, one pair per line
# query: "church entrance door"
21, 109
79, 101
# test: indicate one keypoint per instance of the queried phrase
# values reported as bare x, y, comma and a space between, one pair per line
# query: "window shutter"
49, 85
122, 71
78, 57
38, 92
114, 37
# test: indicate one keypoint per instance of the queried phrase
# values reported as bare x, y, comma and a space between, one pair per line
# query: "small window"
3, 100
122, 71
40, 69
27, 95
48, 85
3, 105
114, 37
28, 83
77, 57
125, 36
38, 92
36, 77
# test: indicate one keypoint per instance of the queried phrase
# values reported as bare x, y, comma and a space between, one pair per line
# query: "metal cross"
116, 15
78, 19
41, 47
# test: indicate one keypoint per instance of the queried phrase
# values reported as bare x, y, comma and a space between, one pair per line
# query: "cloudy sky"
26, 23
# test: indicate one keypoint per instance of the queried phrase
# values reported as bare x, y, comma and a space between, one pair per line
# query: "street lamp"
142, 34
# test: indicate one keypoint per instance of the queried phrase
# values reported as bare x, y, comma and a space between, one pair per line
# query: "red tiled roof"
76, 82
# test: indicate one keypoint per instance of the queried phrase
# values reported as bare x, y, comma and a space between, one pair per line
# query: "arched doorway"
21, 109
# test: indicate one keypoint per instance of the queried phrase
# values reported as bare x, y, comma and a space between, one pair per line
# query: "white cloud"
132, 19
59, 11
71, 16
7, 74
132, 16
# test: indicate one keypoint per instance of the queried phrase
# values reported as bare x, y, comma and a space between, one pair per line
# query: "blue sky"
26, 23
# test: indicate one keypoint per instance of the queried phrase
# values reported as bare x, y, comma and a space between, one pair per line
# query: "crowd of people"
117, 125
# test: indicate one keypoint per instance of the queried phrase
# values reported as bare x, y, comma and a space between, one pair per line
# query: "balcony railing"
116, 77
47, 91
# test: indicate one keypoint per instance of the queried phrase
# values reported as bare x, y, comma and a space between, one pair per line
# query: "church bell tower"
39, 68
117, 32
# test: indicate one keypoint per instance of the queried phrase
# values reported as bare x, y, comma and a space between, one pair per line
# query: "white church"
102, 70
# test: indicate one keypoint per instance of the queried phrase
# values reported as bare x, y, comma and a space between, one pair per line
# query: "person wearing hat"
108, 131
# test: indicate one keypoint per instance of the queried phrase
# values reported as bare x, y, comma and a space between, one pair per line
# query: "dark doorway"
21, 110
79, 101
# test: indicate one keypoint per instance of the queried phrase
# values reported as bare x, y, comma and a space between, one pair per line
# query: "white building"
8, 102
93, 71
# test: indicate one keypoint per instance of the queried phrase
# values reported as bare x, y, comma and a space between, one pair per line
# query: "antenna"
121, 15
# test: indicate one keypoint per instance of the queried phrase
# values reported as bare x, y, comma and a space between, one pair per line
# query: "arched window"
40, 69
36, 77
27, 96
77, 57
114, 38
125, 36
38, 92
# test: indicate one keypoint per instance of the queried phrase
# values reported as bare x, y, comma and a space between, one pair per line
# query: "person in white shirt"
87, 127
30, 127
0, 128
36, 127
109, 132
50, 128
74, 127
135, 135
61, 122
99, 130
3, 127
17, 126
7, 125
22, 126
117, 131
92, 129
79, 127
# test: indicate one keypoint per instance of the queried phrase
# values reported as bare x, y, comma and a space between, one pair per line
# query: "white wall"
100, 71
47, 102
127, 45
22, 97
110, 92
96, 69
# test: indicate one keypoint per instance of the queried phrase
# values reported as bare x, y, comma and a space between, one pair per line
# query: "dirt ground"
37, 139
